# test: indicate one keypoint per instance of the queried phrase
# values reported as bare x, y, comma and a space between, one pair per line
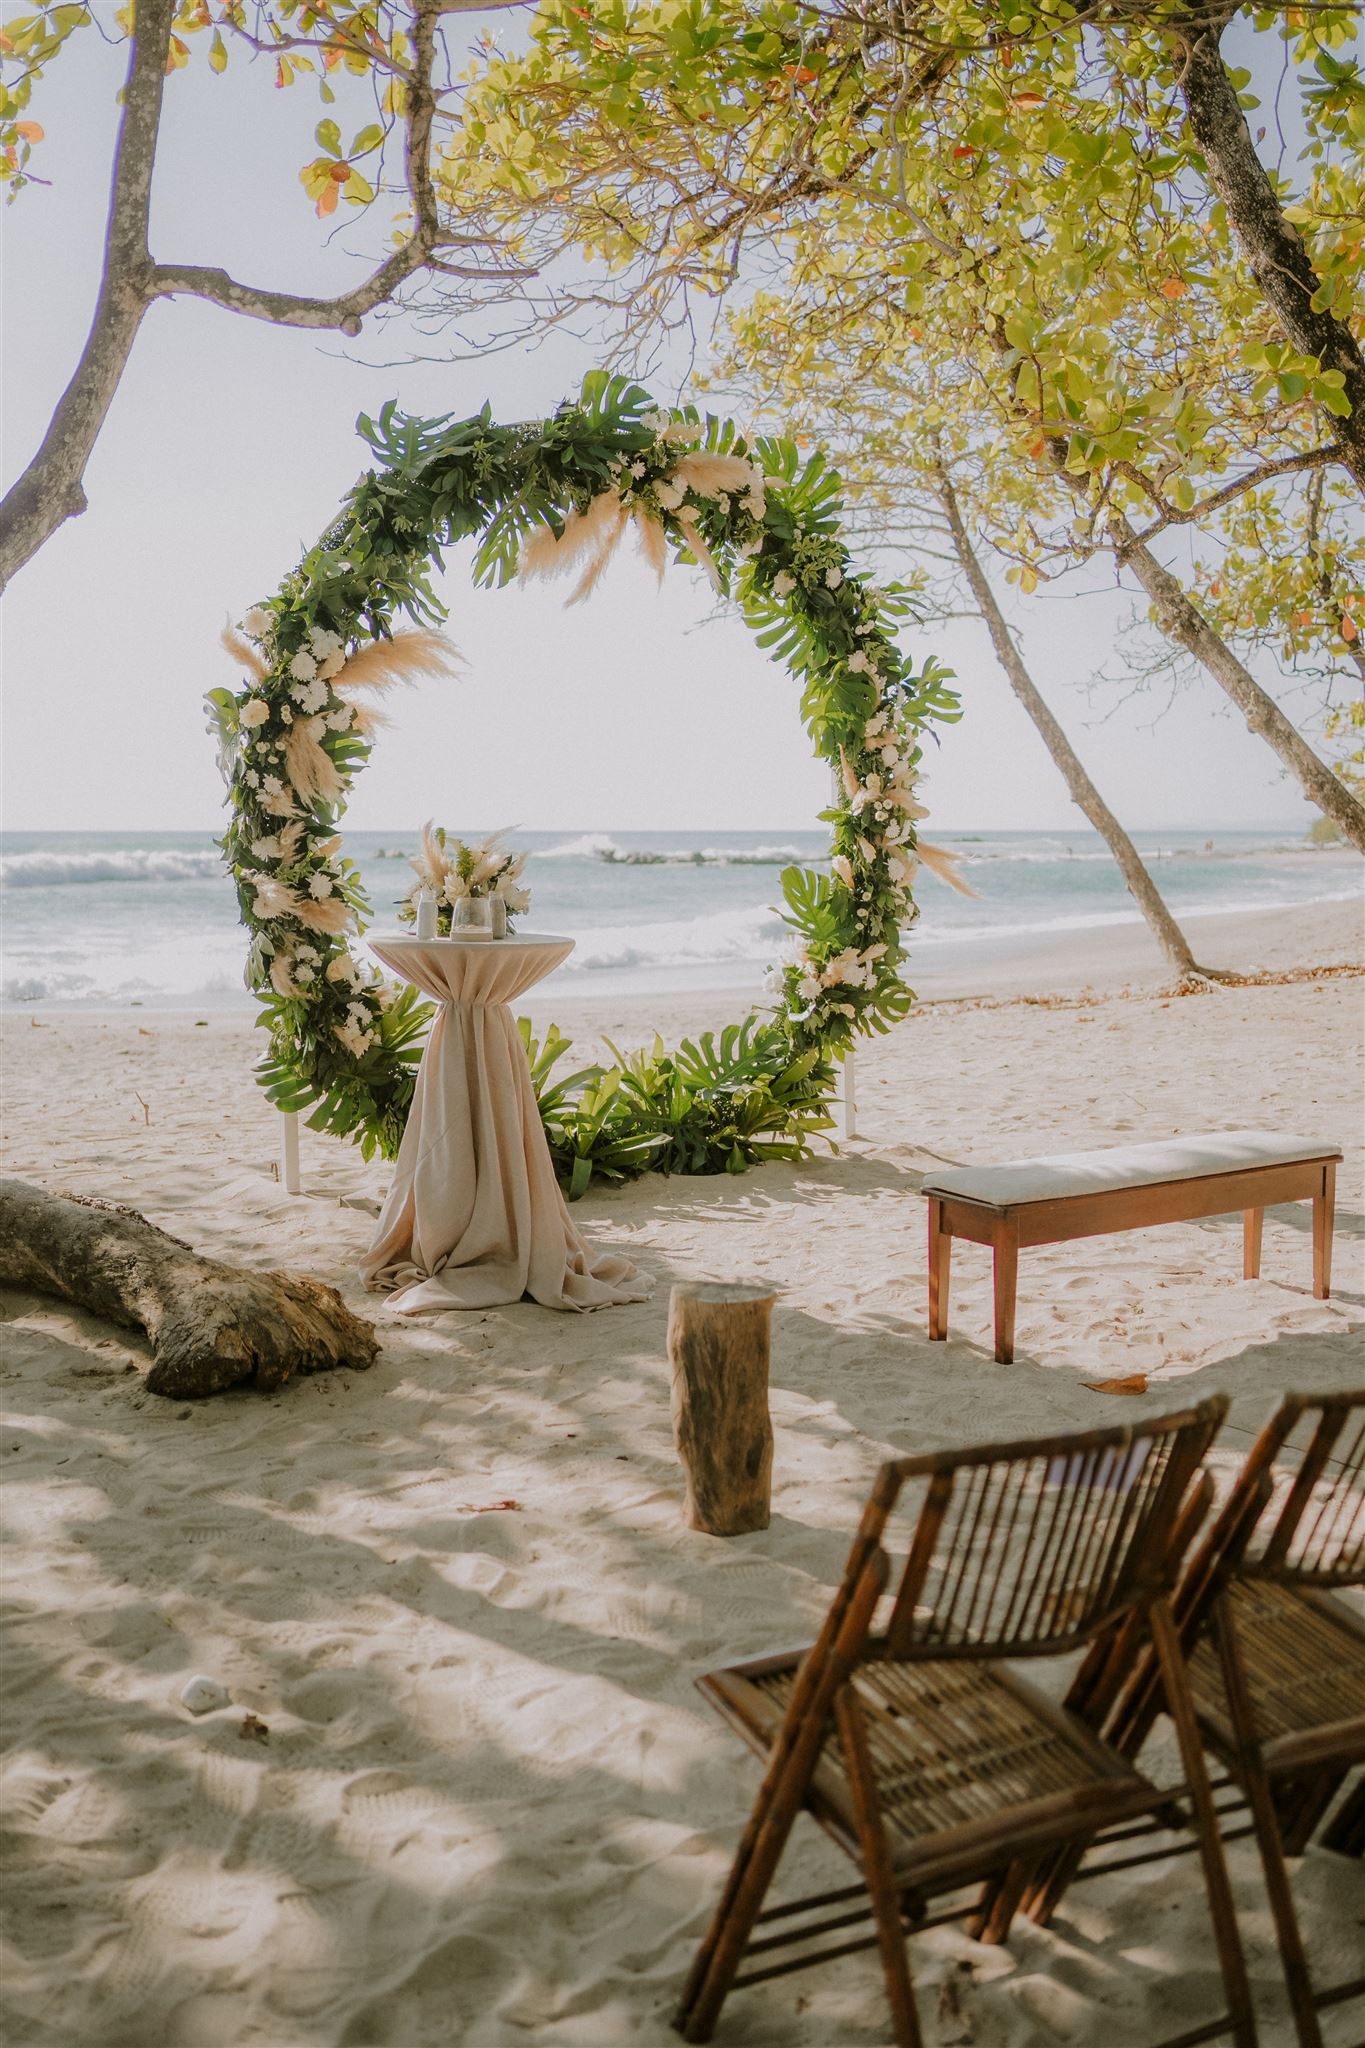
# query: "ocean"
148, 919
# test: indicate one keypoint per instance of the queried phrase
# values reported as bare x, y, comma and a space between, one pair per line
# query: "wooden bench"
1087, 1194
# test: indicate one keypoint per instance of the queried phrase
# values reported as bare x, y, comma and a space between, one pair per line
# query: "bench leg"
1006, 1278
1252, 1220
940, 1257
1324, 1205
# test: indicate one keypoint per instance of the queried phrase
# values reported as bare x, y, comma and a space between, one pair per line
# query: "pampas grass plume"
942, 863
242, 650
401, 659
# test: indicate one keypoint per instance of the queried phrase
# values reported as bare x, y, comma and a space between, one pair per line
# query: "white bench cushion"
1126, 1166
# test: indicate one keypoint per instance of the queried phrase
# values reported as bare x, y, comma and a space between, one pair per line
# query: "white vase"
499, 910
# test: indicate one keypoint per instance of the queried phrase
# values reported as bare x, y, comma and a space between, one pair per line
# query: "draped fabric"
474, 1216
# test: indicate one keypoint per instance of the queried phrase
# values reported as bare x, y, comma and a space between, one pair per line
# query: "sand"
464, 1791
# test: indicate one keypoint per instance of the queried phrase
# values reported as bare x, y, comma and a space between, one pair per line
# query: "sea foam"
51, 870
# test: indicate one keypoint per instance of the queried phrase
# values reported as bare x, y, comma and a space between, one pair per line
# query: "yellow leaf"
1134, 1383
217, 52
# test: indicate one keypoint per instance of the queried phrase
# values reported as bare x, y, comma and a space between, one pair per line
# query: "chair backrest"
1314, 1532
1309, 1528
1029, 1549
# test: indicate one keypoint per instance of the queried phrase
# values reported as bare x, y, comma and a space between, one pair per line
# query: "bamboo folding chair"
933, 1766
1276, 1663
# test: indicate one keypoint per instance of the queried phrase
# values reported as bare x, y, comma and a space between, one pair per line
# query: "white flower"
338, 720
310, 697
518, 900
272, 898
833, 578
359, 1015
670, 495
302, 972
319, 886
343, 968
754, 503
868, 626
874, 725
637, 469
355, 1040
271, 784
253, 778
681, 430
307, 953
808, 987
845, 1009
783, 584
858, 661
286, 715
333, 664
890, 755
259, 623
266, 849
775, 981
303, 668
324, 644
255, 711
842, 866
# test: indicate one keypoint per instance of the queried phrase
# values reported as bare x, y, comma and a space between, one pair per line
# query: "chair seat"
1304, 1657
971, 1764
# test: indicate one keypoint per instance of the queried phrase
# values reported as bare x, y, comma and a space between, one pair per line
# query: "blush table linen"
474, 1216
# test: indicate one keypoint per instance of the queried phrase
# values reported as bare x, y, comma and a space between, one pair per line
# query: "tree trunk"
1080, 788
210, 1325
718, 1350
51, 489
1186, 625
1272, 245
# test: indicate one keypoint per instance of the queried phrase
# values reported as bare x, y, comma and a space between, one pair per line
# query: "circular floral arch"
542, 497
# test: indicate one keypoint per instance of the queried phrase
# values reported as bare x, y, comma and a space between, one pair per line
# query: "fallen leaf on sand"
253, 1729
1136, 1383
491, 1507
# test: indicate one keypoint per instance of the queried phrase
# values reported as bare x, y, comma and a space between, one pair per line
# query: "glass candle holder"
472, 918
499, 911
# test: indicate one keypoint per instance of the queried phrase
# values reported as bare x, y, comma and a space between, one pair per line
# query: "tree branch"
1171, 515
51, 490
1273, 246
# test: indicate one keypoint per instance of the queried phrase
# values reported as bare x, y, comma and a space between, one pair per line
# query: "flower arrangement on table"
451, 869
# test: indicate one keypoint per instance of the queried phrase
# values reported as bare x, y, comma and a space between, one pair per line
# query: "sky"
227, 448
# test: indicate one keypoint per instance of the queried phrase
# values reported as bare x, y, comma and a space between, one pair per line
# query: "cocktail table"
474, 1215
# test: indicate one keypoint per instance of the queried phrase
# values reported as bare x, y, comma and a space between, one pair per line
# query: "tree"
1036, 195
904, 487
394, 47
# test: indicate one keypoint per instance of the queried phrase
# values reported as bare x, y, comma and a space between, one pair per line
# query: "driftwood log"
211, 1325
718, 1340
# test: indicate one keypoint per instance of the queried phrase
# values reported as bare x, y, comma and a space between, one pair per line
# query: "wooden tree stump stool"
718, 1336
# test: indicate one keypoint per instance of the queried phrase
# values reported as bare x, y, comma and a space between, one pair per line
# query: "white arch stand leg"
289, 1152
848, 1097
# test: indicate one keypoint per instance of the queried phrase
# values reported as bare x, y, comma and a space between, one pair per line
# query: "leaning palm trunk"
1081, 789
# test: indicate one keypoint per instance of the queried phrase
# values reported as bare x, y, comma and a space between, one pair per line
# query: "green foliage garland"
343, 1042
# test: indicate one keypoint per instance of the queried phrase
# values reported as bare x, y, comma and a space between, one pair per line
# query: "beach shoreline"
1101, 958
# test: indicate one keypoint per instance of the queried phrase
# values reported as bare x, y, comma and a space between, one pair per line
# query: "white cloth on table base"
474, 1215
